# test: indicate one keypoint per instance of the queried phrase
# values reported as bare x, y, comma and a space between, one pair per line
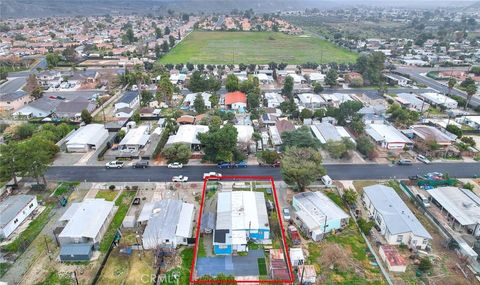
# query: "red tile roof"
235, 97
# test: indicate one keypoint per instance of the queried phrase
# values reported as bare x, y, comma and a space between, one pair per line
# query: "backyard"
255, 48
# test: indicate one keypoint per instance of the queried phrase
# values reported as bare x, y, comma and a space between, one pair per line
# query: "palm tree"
471, 89
451, 83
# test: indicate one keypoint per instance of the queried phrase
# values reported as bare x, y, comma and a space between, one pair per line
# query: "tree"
287, 89
52, 59
167, 30
86, 116
158, 33
365, 226
165, 89
199, 104
165, 47
177, 153
306, 114
231, 83
425, 264
301, 137
171, 39
197, 82
339, 149
455, 130
317, 88
9, 161
402, 116
350, 196
32, 87
471, 89
220, 143
371, 67
268, 157
301, 166
331, 78
451, 83
365, 146
129, 36
356, 124
145, 97
69, 54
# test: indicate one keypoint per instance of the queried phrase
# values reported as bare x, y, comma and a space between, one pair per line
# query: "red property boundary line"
284, 240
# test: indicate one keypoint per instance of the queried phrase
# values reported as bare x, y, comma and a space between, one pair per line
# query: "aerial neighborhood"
183, 145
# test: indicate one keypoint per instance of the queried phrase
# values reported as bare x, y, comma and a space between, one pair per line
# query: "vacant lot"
255, 47
138, 268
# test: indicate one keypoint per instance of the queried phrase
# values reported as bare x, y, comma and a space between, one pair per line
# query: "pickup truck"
179, 178
114, 164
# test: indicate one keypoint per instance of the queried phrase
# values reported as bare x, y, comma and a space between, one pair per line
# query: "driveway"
230, 265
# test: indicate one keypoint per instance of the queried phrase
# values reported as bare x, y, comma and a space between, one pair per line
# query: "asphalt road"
414, 73
13, 84
195, 173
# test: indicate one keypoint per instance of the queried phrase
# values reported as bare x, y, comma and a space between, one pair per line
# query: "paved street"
195, 173
414, 73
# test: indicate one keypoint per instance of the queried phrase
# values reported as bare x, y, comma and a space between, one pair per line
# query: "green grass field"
255, 47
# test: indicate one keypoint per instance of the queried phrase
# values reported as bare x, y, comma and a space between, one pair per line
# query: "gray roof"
76, 249
462, 204
12, 96
327, 131
397, 216
74, 107
128, 97
10, 207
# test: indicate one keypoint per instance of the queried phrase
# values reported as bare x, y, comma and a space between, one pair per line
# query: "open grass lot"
108, 195
255, 47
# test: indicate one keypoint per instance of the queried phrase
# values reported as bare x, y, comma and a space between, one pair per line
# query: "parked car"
141, 164
294, 235
212, 175
179, 178
224, 165
241, 164
175, 165
275, 164
114, 164
423, 159
424, 200
286, 214
404, 162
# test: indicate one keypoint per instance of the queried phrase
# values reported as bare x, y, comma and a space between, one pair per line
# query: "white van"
327, 180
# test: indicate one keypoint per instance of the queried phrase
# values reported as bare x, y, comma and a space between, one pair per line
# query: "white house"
187, 134
13, 211
190, 98
135, 139
169, 223
438, 99
88, 137
316, 214
86, 222
129, 99
273, 99
325, 132
310, 100
387, 136
472, 121
411, 101
396, 222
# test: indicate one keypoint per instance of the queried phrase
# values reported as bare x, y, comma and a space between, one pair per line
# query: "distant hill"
48, 8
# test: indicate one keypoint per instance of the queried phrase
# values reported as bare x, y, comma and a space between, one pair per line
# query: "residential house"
129, 99
273, 99
437, 99
424, 134
311, 101
388, 136
40, 108
72, 110
241, 216
190, 99
335, 99
14, 100
325, 132
398, 225
460, 206
316, 214
86, 222
411, 101
86, 138
135, 139
394, 79
13, 211
472, 121
169, 223
187, 134
124, 112
236, 101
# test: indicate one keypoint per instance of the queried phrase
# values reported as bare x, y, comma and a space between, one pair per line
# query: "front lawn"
108, 195
262, 266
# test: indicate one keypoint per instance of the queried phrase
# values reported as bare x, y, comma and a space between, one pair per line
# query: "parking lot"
230, 265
